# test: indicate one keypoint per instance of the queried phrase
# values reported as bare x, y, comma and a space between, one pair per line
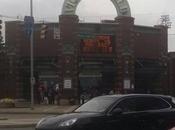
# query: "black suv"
117, 112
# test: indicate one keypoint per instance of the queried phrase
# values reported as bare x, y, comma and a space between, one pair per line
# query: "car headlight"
68, 122
40, 121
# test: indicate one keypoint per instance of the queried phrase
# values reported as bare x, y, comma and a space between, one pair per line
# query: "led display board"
97, 44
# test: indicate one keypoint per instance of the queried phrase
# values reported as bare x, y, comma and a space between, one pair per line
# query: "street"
19, 121
16, 128
26, 119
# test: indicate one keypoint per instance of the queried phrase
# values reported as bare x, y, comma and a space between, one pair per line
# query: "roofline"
128, 95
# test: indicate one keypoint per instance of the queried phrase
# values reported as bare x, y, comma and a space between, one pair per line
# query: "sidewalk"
18, 123
39, 109
25, 117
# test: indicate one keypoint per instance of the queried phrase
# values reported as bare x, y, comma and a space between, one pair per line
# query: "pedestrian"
111, 92
51, 95
45, 91
57, 94
40, 93
82, 97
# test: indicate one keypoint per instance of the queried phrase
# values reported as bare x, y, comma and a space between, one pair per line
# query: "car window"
96, 105
173, 100
150, 103
127, 105
142, 104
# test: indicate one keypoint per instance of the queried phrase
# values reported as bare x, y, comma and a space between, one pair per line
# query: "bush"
7, 102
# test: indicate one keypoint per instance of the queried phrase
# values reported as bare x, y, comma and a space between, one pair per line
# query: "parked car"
117, 112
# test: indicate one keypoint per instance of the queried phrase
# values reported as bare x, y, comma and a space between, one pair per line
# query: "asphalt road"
23, 116
13, 120
16, 128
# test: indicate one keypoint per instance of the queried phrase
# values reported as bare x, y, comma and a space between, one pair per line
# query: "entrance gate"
69, 49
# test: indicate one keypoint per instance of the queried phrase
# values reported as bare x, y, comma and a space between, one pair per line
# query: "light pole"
31, 58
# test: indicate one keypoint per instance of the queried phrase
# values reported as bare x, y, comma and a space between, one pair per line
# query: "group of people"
48, 94
51, 94
94, 92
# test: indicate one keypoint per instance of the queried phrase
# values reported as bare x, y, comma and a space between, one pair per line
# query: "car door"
127, 119
153, 108
139, 112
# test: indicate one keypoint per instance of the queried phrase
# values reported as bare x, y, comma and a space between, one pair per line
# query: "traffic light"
44, 29
1, 38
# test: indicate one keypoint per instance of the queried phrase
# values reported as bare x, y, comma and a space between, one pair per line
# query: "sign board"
127, 84
101, 44
28, 25
122, 7
86, 36
67, 83
56, 33
68, 48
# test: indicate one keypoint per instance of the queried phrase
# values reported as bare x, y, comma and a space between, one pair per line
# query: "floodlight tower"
165, 20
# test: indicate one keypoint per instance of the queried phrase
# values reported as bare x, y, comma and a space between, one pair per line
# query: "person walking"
45, 91
57, 94
51, 95
40, 93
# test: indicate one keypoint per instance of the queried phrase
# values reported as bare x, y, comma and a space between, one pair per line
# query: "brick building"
102, 56
45, 59
171, 69
4, 71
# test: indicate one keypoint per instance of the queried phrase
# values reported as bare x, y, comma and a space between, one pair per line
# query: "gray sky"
146, 12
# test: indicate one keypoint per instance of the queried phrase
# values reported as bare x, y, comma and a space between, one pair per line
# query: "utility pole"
31, 59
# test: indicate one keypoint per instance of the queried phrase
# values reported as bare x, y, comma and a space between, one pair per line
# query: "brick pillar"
125, 55
171, 74
68, 56
163, 60
18, 82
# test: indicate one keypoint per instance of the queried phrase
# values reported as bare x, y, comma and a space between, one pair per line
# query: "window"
150, 103
97, 105
127, 105
142, 104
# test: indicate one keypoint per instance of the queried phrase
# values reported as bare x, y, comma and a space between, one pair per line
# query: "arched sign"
122, 7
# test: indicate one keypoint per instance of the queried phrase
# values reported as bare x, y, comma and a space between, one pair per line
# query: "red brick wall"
145, 42
147, 45
42, 47
172, 72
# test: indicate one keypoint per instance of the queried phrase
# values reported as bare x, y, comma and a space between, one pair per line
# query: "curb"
18, 125
56, 111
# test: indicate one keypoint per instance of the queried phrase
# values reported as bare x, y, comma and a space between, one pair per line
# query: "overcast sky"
145, 12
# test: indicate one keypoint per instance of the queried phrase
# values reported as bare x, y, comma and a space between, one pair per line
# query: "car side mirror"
117, 111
